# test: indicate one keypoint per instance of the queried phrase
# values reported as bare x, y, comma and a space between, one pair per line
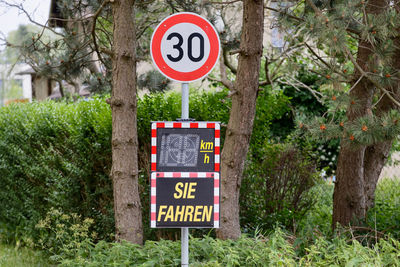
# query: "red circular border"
156, 47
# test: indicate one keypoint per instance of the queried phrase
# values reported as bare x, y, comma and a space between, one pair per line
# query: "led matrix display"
179, 150
185, 150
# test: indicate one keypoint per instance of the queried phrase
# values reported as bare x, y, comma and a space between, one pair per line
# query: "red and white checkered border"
153, 185
175, 124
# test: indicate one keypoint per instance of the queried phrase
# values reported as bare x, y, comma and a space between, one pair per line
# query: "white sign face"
185, 47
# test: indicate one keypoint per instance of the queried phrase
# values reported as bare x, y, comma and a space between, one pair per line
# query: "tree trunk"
241, 117
348, 196
377, 154
124, 172
355, 162
375, 158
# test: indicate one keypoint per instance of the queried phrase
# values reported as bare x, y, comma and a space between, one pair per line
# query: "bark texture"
241, 117
124, 172
359, 167
348, 196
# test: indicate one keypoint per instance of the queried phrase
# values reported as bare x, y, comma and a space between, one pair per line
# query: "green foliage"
206, 251
276, 190
337, 30
55, 155
20, 37
385, 215
364, 130
63, 235
153, 81
313, 245
270, 120
276, 249
300, 102
318, 219
21, 257
340, 252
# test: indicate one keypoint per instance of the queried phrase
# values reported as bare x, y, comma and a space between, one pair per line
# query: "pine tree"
355, 48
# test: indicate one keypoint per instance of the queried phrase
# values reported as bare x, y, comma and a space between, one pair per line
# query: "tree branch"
21, 8
351, 57
227, 62
222, 3
228, 84
93, 30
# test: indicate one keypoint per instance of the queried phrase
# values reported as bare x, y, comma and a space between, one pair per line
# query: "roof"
26, 71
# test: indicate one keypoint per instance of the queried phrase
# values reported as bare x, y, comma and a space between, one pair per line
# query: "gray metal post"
185, 230
184, 247
185, 101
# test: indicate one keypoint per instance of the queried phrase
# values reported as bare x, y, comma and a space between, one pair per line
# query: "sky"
11, 18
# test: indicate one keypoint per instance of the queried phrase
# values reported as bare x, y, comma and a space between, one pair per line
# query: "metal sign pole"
185, 230
185, 101
184, 246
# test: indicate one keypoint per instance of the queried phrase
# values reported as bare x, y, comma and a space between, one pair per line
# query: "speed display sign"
185, 47
185, 178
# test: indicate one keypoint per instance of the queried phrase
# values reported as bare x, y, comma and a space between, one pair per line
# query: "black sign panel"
184, 202
185, 149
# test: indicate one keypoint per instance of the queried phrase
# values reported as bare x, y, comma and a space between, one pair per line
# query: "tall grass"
11, 256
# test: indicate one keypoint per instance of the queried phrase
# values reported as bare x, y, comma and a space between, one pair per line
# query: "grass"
24, 257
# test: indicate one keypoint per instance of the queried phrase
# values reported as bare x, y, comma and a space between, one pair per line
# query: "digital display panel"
185, 149
179, 150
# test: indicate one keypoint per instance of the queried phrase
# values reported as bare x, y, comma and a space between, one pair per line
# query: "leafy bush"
277, 189
341, 252
385, 215
63, 235
207, 251
318, 219
277, 249
55, 155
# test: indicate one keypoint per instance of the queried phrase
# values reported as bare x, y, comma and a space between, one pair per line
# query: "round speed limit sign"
185, 47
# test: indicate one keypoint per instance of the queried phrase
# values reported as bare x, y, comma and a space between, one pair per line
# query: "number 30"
178, 47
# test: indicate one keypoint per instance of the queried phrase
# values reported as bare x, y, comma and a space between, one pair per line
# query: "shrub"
317, 221
63, 235
55, 155
385, 215
340, 252
276, 249
277, 189
207, 251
